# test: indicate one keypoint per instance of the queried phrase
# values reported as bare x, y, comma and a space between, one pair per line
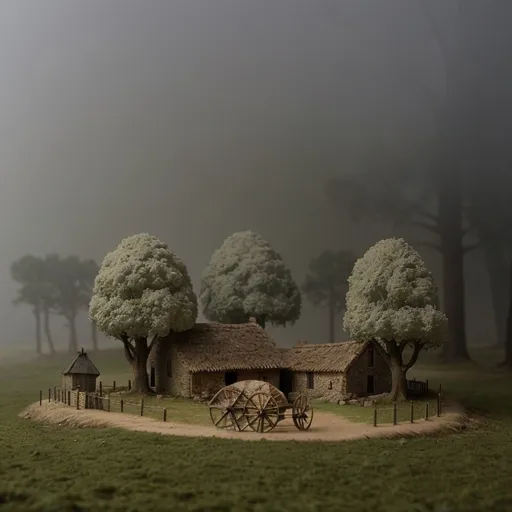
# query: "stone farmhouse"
201, 361
346, 368
209, 356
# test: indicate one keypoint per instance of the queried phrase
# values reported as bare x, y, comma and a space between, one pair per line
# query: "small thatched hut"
80, 374
210, 356
351, 367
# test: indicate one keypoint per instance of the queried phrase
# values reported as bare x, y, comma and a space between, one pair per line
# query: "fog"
192, 119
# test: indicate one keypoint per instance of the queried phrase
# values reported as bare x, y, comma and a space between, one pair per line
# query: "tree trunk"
94, 336
73, 341
47, 330
139, 366
398, 372
508, 340
37, 316
452, 250
161, 349
332, 316
495, 258
398, 382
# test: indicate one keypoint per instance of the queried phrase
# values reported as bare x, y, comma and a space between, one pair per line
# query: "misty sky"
192, 119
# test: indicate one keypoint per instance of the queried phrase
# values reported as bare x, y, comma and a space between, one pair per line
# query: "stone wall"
85, 382
322, 383
73, 398
180, 381
207, 383
358, 373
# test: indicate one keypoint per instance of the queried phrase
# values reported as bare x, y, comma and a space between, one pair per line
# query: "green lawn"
384, 411
50, 468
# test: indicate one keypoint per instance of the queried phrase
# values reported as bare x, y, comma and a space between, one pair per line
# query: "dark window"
370, 385
311, 380
169, 368
152, 377
371, 357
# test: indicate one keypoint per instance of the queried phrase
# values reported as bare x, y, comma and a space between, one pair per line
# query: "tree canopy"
142, 289
247, 278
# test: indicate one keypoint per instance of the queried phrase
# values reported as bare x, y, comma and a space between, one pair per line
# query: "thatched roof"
212, 347
81, 365
328, 357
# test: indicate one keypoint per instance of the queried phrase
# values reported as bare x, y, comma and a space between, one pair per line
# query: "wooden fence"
83, 400
414, 407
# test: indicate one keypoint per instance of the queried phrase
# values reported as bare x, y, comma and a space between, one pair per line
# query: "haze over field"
195, 119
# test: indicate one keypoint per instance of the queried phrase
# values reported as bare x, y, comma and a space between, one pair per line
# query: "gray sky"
192, 119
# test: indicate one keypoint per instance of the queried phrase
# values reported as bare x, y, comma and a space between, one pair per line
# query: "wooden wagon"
258, 406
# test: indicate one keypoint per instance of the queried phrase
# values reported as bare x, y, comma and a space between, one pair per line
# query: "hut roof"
81, 365
328, 357
210, 347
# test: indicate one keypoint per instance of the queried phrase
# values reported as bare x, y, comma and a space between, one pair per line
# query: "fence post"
375, 416
114, 387
108, 402
426, 410
69, 397
129, 385
142, 406
394, 413
122, 405
86, 405
41, 397
49, 394
412, 411
165, 413
78, 399
54, 393
101, 388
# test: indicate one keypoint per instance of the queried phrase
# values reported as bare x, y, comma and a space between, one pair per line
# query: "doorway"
370, 385
286, 382
230, 378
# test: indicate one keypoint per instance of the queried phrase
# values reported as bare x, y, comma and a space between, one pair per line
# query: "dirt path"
326, 427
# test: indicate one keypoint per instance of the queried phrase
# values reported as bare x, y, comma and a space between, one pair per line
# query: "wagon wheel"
302, 412
261, 412
227, 409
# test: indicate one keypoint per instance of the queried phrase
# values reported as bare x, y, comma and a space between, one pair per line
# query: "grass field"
50, 468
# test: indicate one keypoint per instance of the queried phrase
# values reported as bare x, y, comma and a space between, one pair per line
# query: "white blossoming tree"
247, 278
142, 292
393, 300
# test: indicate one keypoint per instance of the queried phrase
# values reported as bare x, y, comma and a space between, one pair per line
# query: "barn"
350, 367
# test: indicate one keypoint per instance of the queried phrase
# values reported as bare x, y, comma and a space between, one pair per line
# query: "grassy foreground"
50, 468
